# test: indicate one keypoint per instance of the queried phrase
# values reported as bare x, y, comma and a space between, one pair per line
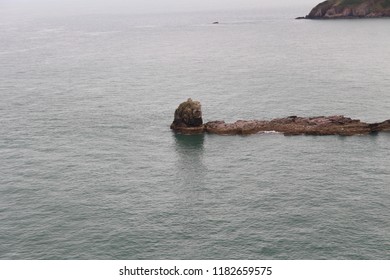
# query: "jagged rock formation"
188, 117
188, 120
333, 9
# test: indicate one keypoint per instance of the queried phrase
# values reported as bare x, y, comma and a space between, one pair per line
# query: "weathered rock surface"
333, 9
188, 117
188, 120
331, 125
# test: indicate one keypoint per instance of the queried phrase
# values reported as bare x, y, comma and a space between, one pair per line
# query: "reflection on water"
191, 188
189, 142
190, 168
189, 150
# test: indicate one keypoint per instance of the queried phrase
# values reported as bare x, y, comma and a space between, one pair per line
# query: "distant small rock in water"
188, 120
216, 22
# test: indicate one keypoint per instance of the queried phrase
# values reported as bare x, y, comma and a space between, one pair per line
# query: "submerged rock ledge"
188, 120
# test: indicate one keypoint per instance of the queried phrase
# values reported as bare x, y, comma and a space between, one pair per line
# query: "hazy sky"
145, 6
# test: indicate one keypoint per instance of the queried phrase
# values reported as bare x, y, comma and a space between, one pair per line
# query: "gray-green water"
90, 170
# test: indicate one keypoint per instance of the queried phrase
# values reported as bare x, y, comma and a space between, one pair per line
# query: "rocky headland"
188, 120
335, 9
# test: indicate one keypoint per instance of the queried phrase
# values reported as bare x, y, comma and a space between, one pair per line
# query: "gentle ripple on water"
90, 170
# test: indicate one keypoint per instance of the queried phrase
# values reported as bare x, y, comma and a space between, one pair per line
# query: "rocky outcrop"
332, 125
333, 9
188, 117
188, 120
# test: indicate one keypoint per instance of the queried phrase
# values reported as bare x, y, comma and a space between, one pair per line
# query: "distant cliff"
333, 9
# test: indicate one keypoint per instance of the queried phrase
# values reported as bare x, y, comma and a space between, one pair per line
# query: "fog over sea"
89, 168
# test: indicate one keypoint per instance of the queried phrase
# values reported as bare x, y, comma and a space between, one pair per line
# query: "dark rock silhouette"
188, 120
334, 9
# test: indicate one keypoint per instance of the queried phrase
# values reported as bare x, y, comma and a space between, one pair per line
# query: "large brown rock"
331, 125
188, 117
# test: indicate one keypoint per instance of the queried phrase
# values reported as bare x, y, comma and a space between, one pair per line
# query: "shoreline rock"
347, 9
188, 120
322, 125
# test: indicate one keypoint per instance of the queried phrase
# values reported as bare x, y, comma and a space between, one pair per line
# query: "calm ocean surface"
89, 168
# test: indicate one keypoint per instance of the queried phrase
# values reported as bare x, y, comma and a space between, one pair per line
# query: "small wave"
99, 33
19, 51
146, 26
269, 132
51, 30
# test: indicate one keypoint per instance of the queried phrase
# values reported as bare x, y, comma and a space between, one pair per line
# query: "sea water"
89, 168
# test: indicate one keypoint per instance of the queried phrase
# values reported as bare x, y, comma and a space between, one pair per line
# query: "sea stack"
344, 9
188, 118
